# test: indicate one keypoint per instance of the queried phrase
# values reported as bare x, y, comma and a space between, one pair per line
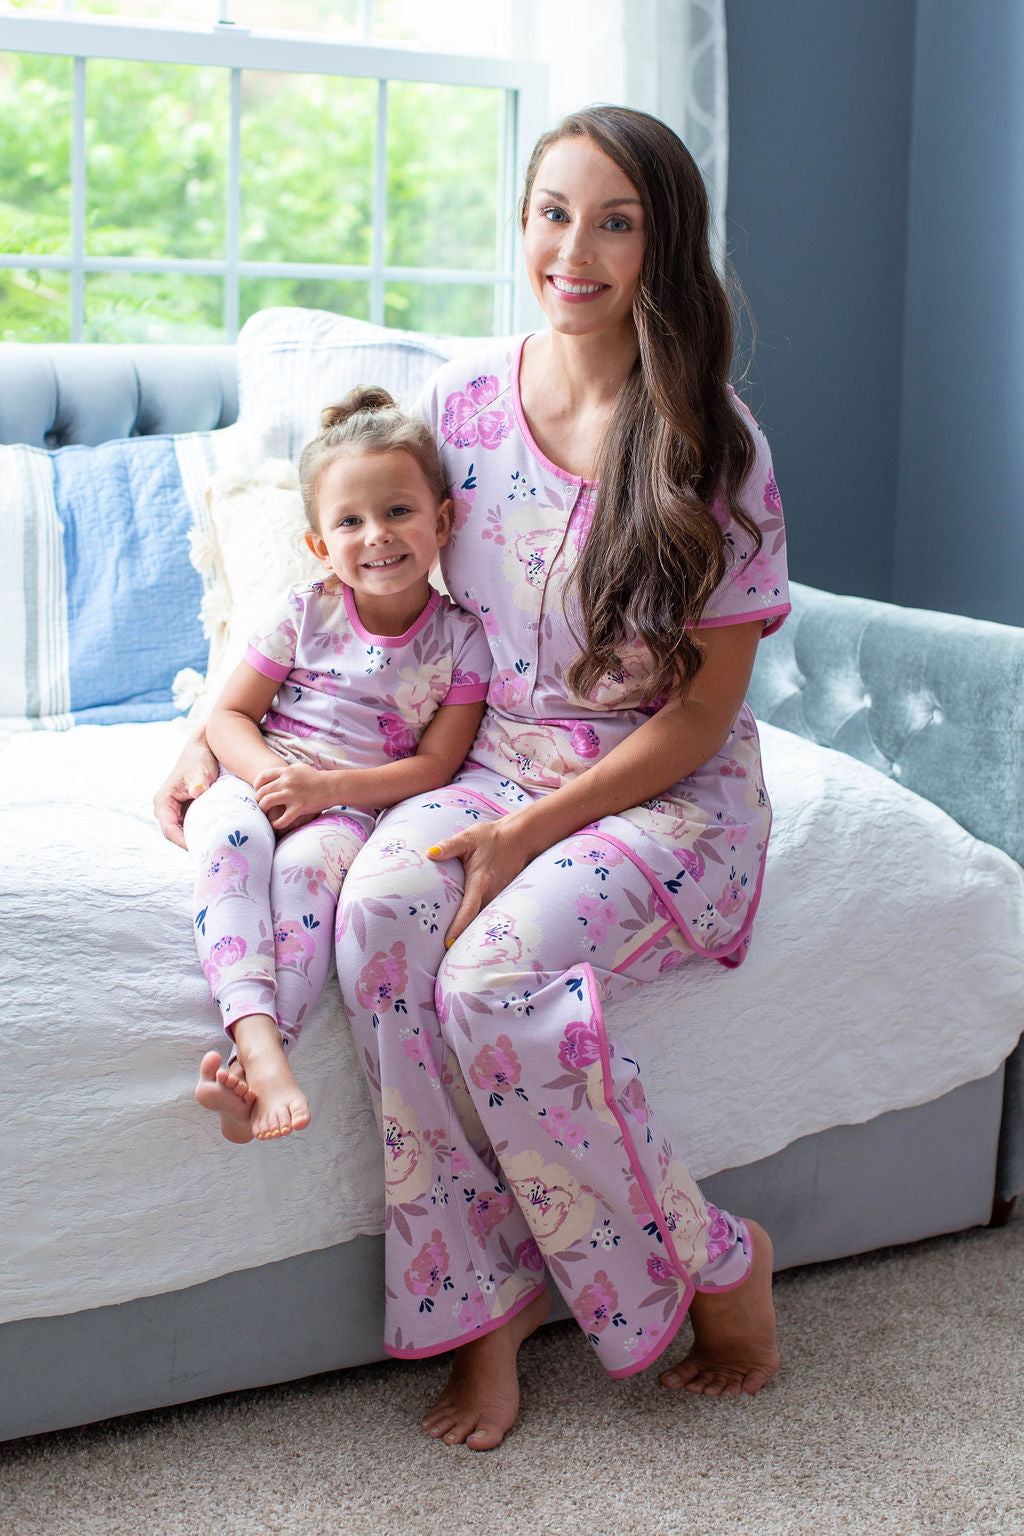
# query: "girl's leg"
253, 950
309, 866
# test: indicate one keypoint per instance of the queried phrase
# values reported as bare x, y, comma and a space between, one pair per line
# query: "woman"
617, 529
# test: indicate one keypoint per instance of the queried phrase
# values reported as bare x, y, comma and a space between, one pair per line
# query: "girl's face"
381, 524
583, 239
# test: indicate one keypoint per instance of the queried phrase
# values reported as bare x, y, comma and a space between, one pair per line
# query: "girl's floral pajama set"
516, 1132
264, 907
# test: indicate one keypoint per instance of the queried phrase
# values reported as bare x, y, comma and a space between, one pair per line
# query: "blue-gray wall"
960, 527
876, 220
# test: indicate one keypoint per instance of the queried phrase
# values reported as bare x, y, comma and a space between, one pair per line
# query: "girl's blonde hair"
367, 420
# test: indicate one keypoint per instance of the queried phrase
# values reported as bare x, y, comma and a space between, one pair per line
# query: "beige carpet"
900, 1410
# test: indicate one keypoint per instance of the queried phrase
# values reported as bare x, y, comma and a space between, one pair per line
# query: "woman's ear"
444, 521
316, 546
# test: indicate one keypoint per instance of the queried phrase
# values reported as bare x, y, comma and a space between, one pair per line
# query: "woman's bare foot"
480, 1402
734, 1349
228, 1095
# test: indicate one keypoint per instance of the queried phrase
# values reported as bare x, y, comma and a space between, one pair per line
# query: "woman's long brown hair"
655, 552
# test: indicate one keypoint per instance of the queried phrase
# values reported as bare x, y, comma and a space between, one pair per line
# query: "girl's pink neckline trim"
388, 640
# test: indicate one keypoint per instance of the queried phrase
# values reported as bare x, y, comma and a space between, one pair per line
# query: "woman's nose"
575, 248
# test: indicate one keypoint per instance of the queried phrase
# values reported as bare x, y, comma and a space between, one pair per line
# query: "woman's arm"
668, 747
288, 793
195, 770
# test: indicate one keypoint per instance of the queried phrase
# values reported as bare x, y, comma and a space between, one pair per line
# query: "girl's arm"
233, 729
288, 793
668, 747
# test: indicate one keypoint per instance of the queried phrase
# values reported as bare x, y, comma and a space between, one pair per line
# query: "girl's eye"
349, 522
398, 511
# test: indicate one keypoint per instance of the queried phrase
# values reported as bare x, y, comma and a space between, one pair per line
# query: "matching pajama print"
516, 1133
264, 908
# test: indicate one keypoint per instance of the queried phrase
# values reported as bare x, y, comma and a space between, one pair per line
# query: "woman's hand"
492, 856
292, 794
194, 772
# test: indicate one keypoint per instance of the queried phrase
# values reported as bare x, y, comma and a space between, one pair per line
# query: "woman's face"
583, 239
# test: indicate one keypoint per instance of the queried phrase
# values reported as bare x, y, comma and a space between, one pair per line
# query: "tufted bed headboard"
934, 700
53, 395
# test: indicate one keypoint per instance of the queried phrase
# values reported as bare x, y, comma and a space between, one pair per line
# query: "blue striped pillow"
99, 601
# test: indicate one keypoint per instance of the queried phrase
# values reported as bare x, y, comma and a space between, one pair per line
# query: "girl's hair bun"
365, 397
367, 420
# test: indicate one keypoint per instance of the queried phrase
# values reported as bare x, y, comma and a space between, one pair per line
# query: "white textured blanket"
886, 968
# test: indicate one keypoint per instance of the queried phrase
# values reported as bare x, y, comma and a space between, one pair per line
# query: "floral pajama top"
351, 699
519, 524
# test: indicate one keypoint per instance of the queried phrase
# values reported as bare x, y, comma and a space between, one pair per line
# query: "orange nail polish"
432, 853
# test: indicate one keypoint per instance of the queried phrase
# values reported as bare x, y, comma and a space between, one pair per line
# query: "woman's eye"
555, 215
617, 224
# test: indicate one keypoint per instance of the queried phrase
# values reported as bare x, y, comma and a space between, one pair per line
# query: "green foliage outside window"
156, 176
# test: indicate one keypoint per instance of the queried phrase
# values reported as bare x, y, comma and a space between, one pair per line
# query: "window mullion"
380, 206
234, 208
78, 203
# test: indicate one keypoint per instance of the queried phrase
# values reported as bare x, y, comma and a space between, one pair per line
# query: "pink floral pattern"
383, 978
471, 416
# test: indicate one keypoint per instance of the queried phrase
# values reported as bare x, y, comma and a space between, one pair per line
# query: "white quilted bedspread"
886, 968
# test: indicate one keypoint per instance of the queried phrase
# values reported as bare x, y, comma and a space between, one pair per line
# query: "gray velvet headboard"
53, 395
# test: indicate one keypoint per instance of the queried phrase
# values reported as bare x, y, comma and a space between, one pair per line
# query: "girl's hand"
491, 856
291, 795
193, 773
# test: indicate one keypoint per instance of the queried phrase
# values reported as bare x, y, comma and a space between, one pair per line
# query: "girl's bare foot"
281, 1106
734, 1349
479, 1405
228, 1095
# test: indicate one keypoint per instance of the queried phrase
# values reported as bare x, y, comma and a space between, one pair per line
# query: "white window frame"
232, 47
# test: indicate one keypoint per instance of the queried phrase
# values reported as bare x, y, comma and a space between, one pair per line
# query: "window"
163, 182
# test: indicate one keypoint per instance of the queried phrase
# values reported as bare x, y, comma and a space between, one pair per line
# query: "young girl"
357, 691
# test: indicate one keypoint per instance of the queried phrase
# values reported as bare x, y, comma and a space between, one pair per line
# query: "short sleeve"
471, 660
273, 644
756, 582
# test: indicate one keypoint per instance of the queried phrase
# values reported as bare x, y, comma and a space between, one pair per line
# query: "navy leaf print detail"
469, 484
309, 921
236, 838
201, 919
575, 986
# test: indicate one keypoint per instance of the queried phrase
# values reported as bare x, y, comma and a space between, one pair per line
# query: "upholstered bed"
865, 1099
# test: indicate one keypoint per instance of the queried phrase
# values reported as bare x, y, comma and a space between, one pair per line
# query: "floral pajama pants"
516, 1133
264, 907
